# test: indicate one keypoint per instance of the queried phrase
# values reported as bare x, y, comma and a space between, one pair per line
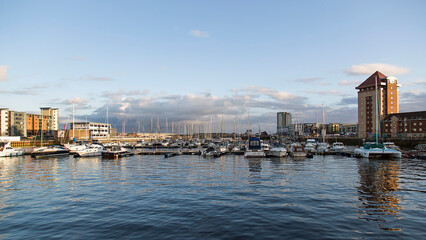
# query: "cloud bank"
3, 73
139, 108
198, 33
369, 68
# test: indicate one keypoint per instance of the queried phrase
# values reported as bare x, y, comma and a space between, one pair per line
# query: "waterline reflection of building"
378, 191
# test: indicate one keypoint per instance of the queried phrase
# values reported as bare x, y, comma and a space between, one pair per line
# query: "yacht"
116, 152
6, 150
50, 151
91, 150
278, 152
323, 147
376, 150
254, 148
75, 147
211, 152
337, 147
311, 145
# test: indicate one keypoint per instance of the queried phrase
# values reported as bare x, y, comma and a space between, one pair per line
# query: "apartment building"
89, 130
377, 97
17, 123
4, 122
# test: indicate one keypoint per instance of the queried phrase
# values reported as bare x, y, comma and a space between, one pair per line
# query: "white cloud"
415, 83
308, 80
328, 92
101, 79
3, 73
349, 82
278, 95
198, 33
370, 68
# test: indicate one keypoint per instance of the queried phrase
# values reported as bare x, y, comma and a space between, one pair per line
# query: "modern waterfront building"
17, 123
284, 126
13, 123
89, 130
4, 122
53, 113
377, 96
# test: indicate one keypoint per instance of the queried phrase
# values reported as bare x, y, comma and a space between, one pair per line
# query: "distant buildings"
284, 126
378, 110
13, 123
89, 130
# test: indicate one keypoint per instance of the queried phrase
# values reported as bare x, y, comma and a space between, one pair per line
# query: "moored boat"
91, 151
297, 150
376, 150
116, 152
254, 148
50, 151
337, 147
6, 150
278, 152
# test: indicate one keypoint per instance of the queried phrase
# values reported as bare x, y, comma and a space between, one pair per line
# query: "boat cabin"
254, 143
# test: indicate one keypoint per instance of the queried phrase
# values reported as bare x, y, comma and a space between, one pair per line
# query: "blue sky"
194, 60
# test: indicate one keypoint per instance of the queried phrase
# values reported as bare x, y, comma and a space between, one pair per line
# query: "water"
190, 197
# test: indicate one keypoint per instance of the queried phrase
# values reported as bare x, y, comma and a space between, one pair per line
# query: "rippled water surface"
190, 197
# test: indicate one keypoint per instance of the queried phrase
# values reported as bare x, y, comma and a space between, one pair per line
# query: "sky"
196, 62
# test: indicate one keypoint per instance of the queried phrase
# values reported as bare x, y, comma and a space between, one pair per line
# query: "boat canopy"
373, 145
254, 143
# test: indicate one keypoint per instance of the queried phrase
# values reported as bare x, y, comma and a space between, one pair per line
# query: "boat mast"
377, 109
248, 119
221, 127
73, 136
41, 131
323, 125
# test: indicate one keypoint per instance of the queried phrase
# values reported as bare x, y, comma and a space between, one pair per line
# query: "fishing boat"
254, 148
376, 150
297, 150
50, 151
6, 150
91, 151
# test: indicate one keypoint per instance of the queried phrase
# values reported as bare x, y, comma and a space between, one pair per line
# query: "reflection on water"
231, 197
378, 190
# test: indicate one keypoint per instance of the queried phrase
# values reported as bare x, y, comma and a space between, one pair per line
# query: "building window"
414, 124
420, 124
420, 129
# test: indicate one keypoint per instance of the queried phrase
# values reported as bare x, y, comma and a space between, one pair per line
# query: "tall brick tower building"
378, 93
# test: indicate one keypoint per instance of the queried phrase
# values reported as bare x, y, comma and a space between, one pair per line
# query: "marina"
193, 197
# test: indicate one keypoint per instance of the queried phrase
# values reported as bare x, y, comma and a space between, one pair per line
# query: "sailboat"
376, 149
323, 147
254, 146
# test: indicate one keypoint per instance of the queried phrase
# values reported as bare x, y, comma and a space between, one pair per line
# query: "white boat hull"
254, 154
377, 153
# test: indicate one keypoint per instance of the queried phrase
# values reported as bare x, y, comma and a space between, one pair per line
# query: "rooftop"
370, 82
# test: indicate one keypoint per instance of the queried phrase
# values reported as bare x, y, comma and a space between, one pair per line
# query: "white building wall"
4, 122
